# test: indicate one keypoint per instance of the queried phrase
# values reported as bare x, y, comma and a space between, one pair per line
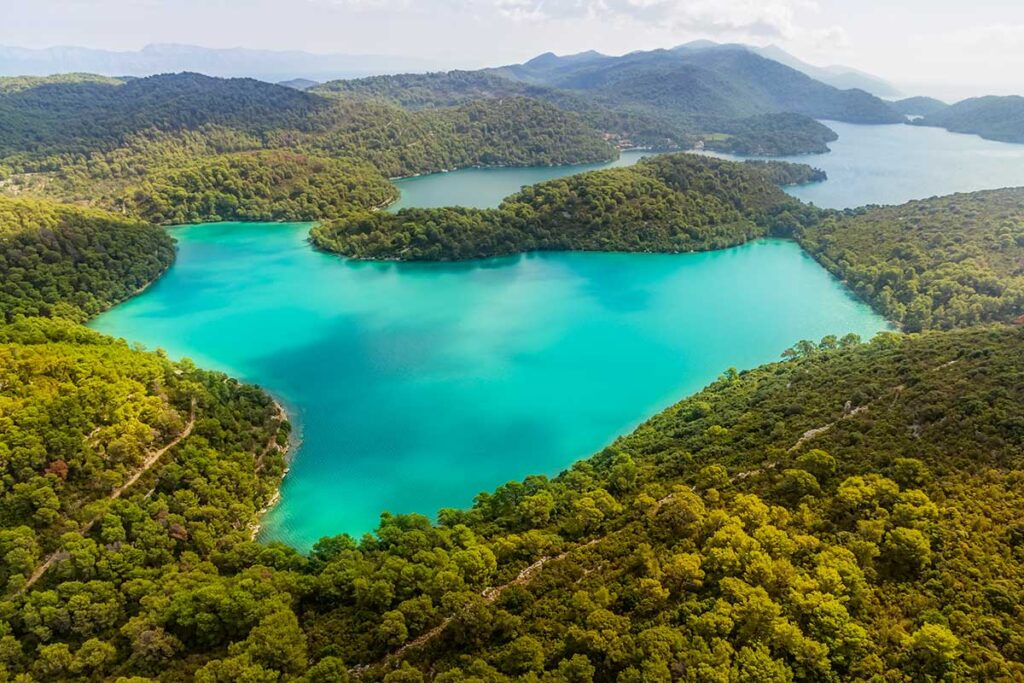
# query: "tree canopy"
669, 203
938, 263
57, 259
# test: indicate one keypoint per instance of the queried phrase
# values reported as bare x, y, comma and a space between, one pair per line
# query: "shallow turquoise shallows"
414, 387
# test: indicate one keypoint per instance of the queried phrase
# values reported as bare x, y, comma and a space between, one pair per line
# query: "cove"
486, 187
416, 386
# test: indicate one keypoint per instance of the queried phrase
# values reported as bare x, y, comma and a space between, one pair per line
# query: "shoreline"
256, 525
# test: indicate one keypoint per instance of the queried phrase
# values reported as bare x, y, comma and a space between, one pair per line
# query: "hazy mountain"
700, 82
838, 76
992, 117
267, 65
919, 106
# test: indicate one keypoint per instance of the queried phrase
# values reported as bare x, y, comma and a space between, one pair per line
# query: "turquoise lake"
415, 386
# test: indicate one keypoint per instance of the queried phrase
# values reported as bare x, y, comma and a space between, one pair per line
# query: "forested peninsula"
668, 203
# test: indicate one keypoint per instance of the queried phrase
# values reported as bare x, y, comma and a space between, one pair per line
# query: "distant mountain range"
721, 81
265, 65
672, 97
842, 77
274, 66
721, 98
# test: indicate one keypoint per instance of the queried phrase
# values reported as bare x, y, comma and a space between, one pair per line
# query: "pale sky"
919, 44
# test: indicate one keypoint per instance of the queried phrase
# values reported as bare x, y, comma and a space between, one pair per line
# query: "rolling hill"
992, 117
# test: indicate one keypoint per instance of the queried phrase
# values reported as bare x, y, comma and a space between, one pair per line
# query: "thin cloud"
773, 19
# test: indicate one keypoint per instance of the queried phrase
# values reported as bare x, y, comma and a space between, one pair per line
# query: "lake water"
486, 187
867, 165
893, 164
415, 386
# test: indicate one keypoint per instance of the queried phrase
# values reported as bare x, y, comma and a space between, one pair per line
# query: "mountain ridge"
836, 75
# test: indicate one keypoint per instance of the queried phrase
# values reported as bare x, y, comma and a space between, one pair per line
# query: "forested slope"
670, 203
992, 117
937, 263
656, 100
90, 140
124, 474
850, 514
62, 260
259, 186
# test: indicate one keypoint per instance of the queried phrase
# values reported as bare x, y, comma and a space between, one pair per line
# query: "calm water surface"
893, 164
868, 165
486, 187
415, 387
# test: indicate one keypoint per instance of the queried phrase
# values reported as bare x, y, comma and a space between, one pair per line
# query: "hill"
919, 106
707, 83
728, 99
938, 263
994, 118
836, 75
89, 140
82, 116
258, 186
770, 135
417, 92
73, 262
671, 203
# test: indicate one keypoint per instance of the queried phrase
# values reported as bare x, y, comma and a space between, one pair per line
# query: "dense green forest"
93, 140
671, 203
938, 263
72, 262
259, 186
124, 475
751, 129
849, 514
771, 135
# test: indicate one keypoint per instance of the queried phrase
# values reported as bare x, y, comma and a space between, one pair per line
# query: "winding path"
147, 464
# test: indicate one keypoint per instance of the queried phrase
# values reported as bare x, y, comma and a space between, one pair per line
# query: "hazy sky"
955, 42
